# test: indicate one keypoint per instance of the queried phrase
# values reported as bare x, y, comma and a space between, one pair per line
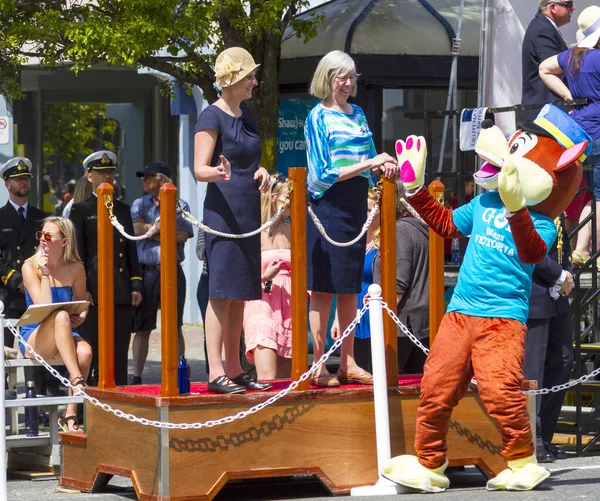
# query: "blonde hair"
67, 230
330, 66
373, 195
276, 184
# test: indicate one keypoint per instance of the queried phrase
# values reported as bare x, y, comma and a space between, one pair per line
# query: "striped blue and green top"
333, 140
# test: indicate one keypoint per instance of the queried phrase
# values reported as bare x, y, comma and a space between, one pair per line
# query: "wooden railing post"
168, 291
297, 176
436, 269
388, 276
106, 291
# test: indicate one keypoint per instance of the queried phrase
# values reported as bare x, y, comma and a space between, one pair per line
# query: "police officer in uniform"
100, 168
19, 222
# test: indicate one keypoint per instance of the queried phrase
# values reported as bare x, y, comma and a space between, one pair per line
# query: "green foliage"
176, 37
72, 131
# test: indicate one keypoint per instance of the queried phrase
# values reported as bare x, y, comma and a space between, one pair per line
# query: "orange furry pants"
491, 349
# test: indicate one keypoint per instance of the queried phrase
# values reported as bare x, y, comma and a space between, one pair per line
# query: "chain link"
77, 390
108, 202
191, 219
541, 391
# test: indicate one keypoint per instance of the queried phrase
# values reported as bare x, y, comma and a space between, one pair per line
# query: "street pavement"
573, 478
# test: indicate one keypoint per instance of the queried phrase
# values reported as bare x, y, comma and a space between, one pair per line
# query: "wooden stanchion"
436, 269
168, 291
388, 276
297, 176
106, 291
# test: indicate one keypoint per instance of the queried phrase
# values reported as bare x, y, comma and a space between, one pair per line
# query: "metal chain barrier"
198, 425
565, 386
541, 391
191, 219
108, 202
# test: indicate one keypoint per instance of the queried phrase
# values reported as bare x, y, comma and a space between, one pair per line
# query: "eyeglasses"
343, 79
44, 235
566, 5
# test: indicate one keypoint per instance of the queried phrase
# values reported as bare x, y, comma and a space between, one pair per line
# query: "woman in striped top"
341, 162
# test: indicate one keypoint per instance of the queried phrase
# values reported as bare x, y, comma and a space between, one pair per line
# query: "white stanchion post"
3, 486
380, 397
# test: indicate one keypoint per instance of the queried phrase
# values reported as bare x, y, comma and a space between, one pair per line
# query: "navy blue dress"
342, 210
233, 207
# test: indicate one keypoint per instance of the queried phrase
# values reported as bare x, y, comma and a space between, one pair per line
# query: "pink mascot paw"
411, 155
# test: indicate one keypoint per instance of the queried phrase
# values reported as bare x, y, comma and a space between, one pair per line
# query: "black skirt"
342, 211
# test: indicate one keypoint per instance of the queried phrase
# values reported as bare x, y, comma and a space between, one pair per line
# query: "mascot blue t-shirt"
503, 286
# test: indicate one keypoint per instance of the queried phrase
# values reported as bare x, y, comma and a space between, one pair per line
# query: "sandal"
78, 382
222, 384
324, 381
361, 376
578, 259
63, 424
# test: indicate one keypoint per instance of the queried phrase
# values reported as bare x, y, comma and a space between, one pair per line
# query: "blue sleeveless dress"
60, 294
363, 329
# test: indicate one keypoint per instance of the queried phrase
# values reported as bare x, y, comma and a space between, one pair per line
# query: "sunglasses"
42, 235
566, 5
278, 179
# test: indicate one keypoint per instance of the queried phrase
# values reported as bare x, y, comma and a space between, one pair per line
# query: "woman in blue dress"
341, 162
227, 152
55, 274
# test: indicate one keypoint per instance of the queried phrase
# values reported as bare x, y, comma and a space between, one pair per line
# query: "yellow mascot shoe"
500, 481
407, 471
527, 474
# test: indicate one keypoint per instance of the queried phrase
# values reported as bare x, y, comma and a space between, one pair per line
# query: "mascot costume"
532, 178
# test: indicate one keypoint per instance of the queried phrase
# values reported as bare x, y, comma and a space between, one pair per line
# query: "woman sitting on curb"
55, 274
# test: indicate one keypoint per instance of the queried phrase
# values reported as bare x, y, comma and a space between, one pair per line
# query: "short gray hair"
543, 4
331, 65
164, 178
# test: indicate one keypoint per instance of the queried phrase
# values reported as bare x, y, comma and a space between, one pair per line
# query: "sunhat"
589, 24
232, 65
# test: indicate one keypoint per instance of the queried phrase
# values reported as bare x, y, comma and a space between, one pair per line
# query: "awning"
413, 31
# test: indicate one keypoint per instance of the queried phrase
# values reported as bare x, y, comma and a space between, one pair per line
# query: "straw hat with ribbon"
232, 65
589, 24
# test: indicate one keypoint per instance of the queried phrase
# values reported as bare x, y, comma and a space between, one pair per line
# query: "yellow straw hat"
232, 65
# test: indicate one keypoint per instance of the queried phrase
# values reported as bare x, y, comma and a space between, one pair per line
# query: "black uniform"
17, 243
549, 342
126, 275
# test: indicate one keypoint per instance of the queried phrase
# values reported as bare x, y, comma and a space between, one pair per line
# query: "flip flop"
63, 423
578, 259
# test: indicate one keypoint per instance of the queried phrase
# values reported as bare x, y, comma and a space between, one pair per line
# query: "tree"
178, 37
87, 129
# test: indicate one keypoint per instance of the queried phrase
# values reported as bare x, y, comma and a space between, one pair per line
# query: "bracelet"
268, 286
45, 274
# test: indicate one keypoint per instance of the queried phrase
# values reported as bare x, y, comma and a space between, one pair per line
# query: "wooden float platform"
328, 433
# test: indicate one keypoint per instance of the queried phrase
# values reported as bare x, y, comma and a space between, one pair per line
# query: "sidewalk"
194, 353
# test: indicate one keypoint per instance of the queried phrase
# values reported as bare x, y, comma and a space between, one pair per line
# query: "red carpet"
153, 390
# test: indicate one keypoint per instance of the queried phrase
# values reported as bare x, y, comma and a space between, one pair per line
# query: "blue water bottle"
31, 413
455, 256
184, 375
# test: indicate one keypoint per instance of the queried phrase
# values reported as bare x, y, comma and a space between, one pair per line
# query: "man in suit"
549, 342
19, 222
100, 168
542, 40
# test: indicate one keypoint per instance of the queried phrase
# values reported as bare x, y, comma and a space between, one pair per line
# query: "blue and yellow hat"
563, 128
